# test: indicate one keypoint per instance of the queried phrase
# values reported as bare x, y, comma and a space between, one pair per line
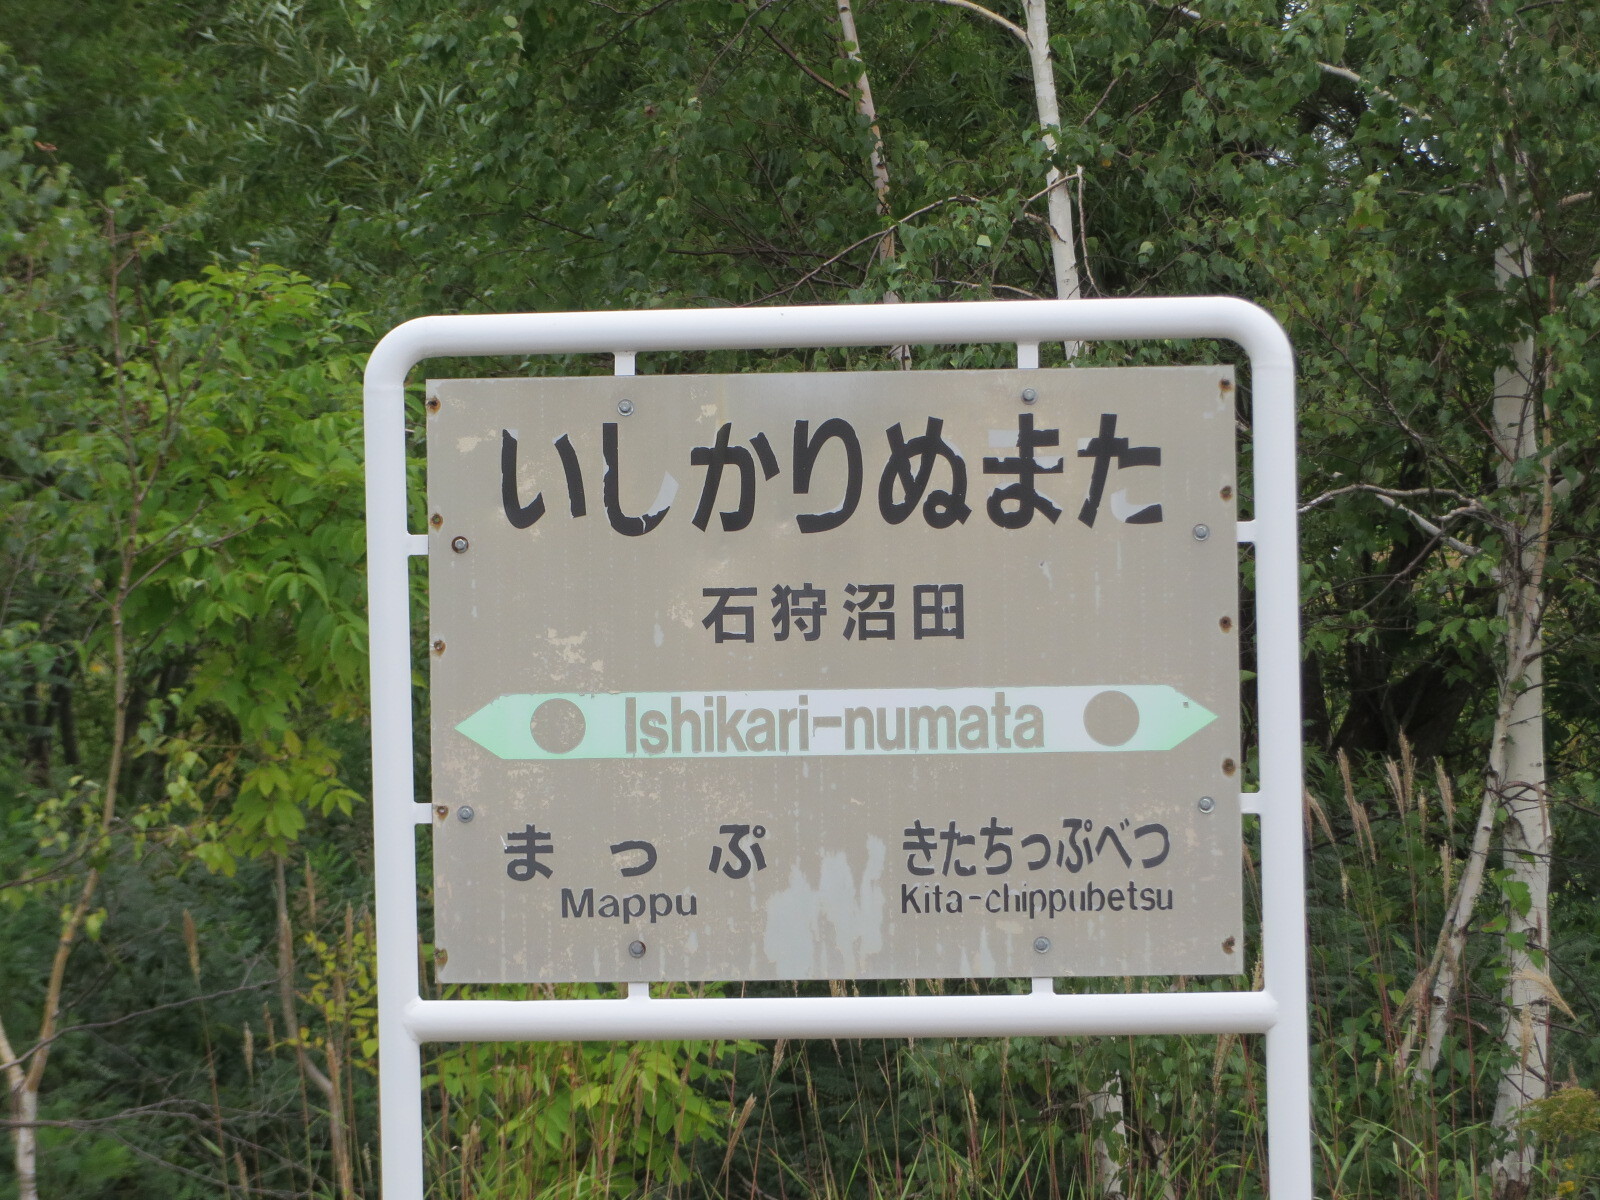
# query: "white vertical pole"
1283, 931
393, 818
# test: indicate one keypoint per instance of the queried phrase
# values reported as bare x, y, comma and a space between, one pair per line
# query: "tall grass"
955, 1119
946, 1119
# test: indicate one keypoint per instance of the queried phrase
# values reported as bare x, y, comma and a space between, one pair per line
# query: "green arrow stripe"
829, 722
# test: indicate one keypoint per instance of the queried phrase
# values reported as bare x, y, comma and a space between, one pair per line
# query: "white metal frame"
405, 1020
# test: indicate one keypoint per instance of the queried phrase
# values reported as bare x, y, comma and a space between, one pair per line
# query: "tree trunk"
862, 86
27, 1144
24, 1108
332, 1092
1522, 788
1058, 201
1034, 33
1435, 988
26, 1084
1105, 1109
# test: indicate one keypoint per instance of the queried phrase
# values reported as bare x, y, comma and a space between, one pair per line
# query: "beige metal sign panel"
879, 675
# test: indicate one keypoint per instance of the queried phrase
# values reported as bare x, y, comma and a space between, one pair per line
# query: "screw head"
1229, 766
441, 811
438, 647
636, 949
459, 544
1202, 532
465, 813
1029, 395
1206, 804
625, 407
1041, 944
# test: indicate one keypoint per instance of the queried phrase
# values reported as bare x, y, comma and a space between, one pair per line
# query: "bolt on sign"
859, 675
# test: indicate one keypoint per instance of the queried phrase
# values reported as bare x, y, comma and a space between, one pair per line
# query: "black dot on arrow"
1111, 718
557, 726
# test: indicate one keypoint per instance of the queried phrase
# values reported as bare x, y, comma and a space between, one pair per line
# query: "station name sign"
866, 675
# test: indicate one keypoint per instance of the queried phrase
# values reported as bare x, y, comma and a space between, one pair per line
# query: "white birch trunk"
865, 106
1440, 979
1034, 33
1526, 835
24, 1109
1058, 200
1105, 1106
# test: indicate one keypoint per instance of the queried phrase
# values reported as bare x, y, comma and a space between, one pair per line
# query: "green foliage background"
209, 210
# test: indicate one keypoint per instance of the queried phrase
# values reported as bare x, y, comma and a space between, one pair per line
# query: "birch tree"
1500, 494
1517, 759
861, 89
1034, 34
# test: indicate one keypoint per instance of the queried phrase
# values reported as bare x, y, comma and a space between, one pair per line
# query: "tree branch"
1326, 67
802, 64
1432, 530
1393, 493
856, 245
1011, 28
1386, 497
1359, 81
126, 1017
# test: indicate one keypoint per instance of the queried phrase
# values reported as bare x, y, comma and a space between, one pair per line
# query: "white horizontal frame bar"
522, 334
1032, 1014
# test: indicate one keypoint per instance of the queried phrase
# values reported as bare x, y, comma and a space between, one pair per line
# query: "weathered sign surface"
891, 674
